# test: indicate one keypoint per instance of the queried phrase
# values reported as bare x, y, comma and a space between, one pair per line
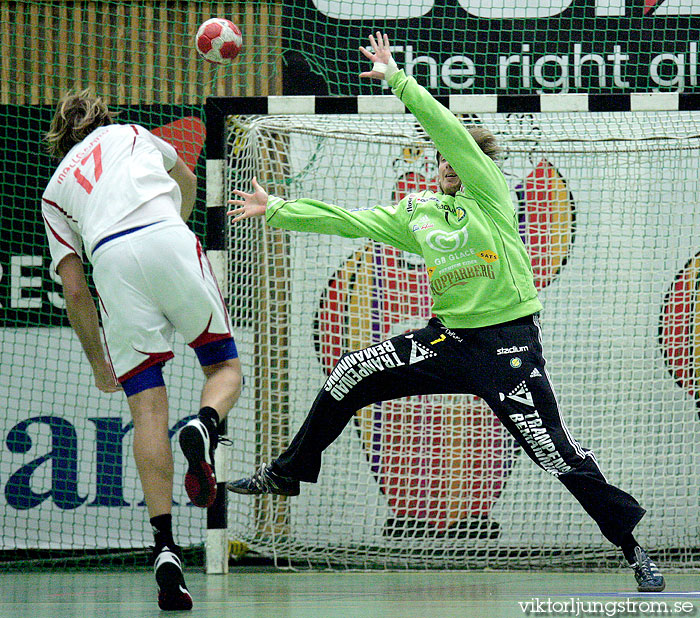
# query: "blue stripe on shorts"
216, 351
150, 377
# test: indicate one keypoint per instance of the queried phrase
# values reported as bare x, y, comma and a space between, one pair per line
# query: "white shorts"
150, 283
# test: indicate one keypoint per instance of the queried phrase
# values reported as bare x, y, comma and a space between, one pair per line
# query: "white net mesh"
608, 207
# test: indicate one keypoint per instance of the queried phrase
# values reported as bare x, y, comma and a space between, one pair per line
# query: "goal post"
606, 194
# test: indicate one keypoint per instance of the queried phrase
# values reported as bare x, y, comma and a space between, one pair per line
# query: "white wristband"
387, 69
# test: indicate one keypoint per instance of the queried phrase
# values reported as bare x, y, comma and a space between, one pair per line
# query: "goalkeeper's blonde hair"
484, 139
77, 115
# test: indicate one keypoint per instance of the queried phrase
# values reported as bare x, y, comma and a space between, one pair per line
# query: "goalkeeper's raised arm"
470, 151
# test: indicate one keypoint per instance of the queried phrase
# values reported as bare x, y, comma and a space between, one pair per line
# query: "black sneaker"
172, 591
265, 481
645, 572
198, 444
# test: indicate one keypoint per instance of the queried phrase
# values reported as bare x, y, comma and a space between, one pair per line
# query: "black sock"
210, 418
627, 546
163, 530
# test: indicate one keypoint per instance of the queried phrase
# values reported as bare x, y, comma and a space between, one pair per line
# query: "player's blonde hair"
485, 140
77, 115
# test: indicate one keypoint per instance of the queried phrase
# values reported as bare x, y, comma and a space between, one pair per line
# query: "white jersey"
115, 179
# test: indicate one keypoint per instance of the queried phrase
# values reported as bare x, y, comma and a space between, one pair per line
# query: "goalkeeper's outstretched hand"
251, 204
384, 65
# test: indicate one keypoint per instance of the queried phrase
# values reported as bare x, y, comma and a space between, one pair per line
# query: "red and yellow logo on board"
547, 221
679, 328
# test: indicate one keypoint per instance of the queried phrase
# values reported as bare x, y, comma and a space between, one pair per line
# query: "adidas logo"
535, 373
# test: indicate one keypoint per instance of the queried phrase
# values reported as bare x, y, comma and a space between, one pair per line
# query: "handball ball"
218, 40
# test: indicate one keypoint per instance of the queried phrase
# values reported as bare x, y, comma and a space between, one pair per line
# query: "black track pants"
503, 365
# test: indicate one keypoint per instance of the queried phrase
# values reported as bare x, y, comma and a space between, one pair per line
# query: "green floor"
434, 594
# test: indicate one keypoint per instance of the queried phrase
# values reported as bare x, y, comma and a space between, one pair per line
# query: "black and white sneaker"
645, 572
172, 591
265, 481
198, 444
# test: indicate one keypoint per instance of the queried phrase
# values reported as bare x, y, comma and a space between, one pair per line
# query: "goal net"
607, 204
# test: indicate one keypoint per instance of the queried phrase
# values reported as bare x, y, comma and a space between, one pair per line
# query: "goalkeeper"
485, 339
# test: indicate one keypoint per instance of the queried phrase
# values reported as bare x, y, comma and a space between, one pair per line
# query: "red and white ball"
218, 40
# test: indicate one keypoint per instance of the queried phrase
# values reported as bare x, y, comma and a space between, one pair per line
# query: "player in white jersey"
121, 196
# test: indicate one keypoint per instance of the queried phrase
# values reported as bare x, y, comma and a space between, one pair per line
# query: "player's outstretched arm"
250, 204
450, 136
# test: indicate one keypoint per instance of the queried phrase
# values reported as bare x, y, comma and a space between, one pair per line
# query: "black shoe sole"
170, 597
241, 490
200, 479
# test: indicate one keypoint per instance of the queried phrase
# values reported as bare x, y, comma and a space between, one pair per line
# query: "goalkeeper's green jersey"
480, 273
